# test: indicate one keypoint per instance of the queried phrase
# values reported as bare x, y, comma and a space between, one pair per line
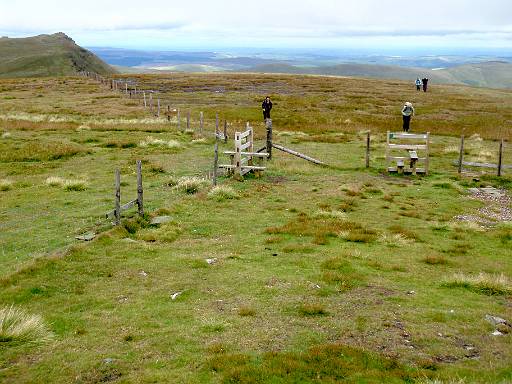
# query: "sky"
308, 24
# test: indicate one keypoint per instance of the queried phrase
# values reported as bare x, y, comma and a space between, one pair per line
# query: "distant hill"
488, 74
47, 55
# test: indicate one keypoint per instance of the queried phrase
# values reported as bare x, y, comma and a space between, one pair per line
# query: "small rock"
108, 360
175, 295
452, 311
158, 220
274, 254
143, 273
495, 320
128, 240
122, 299
86, 236
411, 292
497, 333
211, 261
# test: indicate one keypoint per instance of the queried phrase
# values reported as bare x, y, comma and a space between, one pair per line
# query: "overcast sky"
216, 24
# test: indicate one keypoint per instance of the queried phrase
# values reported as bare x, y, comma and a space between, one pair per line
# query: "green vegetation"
47, 55
309, 274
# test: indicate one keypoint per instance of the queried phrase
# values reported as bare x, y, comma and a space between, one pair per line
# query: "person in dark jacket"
407, 113
425, 84
267, 107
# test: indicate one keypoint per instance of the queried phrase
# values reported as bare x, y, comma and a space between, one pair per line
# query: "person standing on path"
407, 113
425, 84
418, 84
267, 107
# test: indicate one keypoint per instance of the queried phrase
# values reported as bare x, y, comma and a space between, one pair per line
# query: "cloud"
239, 21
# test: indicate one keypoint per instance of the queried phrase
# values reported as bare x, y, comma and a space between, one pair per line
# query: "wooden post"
151, 101
269, 137
145, 104
117, 208
140, 190
238, 156
427, 155
461, 153
158, 113
201, 122
368, 149
168, 113
500, 158
188, 120
225, 131
215, 161
387, 151
126, 88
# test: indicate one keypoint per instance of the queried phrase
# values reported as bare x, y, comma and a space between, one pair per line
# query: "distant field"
316, 274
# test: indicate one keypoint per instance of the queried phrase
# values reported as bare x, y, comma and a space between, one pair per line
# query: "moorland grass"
109, 301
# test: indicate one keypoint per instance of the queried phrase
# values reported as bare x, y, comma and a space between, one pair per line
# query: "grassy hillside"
307, 275
47, 55
490, 75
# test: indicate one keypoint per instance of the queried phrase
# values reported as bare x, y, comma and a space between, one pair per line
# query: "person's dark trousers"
407, 122
266, 115
418, 88
424, 87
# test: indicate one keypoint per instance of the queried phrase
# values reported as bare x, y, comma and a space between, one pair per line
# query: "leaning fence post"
225, 131
269, 137
215, 161
500, 158
368, 149
117, 210
140, 190
461, 153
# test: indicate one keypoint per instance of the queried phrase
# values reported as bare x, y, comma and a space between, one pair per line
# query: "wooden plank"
427, 162
394, 169
392, 158
256, 154
298, 154
245, 134
245, 146
268, 126
402, 135
407, 146
128, 205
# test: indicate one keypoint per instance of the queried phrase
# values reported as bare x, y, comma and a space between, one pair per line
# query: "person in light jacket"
267, 107
418, 84
407, 113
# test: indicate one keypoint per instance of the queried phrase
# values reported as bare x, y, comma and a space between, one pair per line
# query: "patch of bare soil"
497, 209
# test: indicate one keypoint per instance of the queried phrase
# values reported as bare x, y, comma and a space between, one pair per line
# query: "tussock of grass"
407, 233
153, 142
41, 151
166, 233
330, 214
17, 326
222, 193
504, 232
191, 185
246, 311
435, 260
55, 181
483, 283
297, 248
5, 135
120, 144
5, 185
328, 363
312, 309
348, 205
394, 239
75, 185
341, 273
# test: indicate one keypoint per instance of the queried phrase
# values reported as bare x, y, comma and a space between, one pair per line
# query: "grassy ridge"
315, 274
47, 55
